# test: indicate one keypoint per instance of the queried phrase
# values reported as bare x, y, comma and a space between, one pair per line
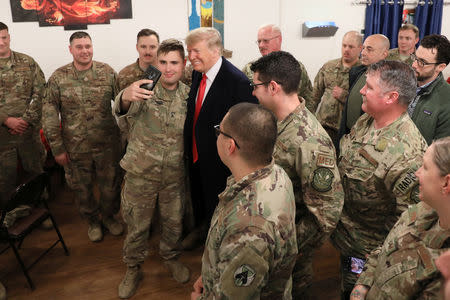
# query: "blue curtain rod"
421, 2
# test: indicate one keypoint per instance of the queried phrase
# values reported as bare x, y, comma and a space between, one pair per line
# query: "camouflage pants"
139, 197
31, 155
80, 173
302, 275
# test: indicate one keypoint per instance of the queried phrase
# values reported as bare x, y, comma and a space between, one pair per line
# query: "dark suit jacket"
353, 75
229, 87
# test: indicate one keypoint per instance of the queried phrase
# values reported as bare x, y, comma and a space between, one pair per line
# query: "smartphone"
153, 74
355, 265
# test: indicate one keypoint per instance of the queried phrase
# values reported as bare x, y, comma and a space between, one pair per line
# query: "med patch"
322, 179
325, 160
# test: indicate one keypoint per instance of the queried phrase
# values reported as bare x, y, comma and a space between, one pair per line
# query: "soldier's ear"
446, 187
392, 97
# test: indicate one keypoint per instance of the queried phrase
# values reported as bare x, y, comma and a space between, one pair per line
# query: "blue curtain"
428, 17
385, 17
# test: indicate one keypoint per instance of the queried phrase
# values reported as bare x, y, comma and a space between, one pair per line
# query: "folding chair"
29, 193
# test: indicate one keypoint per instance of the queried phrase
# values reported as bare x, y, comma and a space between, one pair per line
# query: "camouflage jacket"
329, 111
377, 167
83, 99
129, 74
155, 143
403, 267
394, 54
306, 153
251, 246
22, 85
304, 87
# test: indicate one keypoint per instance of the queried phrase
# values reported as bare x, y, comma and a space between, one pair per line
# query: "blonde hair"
442, 155
209, 34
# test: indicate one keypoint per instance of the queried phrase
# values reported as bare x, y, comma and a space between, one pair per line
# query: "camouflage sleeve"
305, 89
243, 265
433, 290
50, 117
368, 275
135, 107
403, 183
248, 72
319, 88
34, 111
323, 195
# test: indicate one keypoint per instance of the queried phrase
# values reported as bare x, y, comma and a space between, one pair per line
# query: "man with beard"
430, 109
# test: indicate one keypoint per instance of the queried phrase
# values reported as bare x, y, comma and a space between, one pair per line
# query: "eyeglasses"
421, 63
218, 132
254, 85
265, 41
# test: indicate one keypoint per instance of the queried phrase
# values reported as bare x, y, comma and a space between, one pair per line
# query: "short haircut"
396, 76
147, 32
3, 26
275, 28
79, 35
171, 45
441, 44
281, 67
209, 34
355, 35
409, 26
441, 155
255, 130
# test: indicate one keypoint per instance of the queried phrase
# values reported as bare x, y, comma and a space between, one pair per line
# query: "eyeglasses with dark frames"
218, 132
254, 85
423, 63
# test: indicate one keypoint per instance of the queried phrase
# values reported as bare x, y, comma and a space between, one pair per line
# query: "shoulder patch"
381, 145
325, 160
322, 179
244, 276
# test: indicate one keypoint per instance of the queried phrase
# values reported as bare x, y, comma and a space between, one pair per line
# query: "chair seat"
24, 225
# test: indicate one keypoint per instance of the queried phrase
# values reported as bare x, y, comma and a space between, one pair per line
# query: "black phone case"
153, 74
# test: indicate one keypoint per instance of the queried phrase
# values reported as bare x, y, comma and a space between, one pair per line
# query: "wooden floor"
94, 270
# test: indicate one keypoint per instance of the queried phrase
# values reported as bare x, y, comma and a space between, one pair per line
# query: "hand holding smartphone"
153, 74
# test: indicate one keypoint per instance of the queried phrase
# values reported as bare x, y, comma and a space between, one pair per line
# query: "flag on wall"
211, 14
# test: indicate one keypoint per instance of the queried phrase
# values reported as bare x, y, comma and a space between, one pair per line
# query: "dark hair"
396, 76
171, 45
255, 130
147, 32
3, 26
79, 35
441, 44
281, 67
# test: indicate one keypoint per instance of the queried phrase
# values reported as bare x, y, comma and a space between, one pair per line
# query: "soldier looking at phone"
154, 164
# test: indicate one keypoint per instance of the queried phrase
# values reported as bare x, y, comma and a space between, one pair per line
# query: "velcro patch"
322, 179
244, 275
405, 182
325, 160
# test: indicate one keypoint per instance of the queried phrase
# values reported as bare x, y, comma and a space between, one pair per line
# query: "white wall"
115, 43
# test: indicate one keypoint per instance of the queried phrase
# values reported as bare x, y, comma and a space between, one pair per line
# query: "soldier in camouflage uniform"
306, 153
417, 239
146, 46
331, 84
377, 164
251, 245
269, 40
408, 37
21, 91
154, 165
87, 143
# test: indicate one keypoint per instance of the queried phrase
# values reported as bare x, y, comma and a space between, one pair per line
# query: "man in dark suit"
216, 86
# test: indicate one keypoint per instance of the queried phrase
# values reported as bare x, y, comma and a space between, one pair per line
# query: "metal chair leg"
22, 265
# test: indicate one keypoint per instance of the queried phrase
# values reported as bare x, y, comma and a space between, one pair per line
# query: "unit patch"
244, 276
322, 179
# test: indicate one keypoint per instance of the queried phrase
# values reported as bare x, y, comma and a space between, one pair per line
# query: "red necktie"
198, 107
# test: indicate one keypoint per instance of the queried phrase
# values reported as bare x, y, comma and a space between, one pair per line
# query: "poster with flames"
72, 14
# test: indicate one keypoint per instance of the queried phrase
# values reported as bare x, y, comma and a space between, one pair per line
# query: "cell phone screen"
356, 265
